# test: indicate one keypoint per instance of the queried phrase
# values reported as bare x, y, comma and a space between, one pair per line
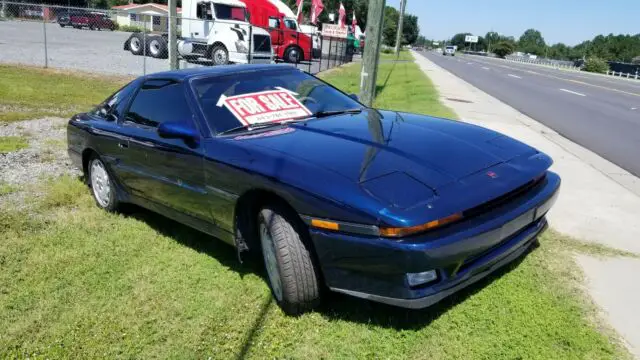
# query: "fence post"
144, 48
251, 44
310, 52
44, 33
329, 57
321, 48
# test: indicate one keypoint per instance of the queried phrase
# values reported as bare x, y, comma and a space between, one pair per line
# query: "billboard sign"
470, 39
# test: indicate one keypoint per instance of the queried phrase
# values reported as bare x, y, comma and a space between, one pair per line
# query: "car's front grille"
501, 200
261, 43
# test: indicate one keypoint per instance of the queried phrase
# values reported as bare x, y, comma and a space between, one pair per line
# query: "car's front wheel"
293, 276
102, 186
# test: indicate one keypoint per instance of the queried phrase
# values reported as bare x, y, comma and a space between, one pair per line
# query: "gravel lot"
45, 157
22, 42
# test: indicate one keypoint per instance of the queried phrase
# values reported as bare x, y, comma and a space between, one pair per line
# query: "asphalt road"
602, 114
22, 42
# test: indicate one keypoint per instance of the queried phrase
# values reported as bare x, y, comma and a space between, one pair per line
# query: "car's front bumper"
376, 269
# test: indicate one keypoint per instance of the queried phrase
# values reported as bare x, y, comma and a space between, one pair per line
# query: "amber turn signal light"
404, 231
324, 224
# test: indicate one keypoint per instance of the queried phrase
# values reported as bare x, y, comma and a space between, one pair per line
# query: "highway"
602, 114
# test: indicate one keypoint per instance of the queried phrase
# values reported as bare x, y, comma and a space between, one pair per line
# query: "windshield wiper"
251, 127
321, 114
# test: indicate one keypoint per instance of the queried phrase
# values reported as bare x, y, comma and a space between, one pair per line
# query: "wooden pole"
403, 4
375, 20
173, 38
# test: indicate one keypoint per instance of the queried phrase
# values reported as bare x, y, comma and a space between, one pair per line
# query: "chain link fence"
133, 40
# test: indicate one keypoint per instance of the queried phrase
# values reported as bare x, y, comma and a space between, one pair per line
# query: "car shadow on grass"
335, 306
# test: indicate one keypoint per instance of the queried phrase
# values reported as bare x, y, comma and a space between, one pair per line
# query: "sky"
566, 21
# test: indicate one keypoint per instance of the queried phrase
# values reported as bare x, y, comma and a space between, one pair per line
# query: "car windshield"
228, 12
237, 100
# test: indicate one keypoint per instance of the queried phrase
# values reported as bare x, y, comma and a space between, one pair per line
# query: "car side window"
113, 108
159, 101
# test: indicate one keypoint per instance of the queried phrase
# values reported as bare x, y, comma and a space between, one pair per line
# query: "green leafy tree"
390, 26
532, 42
410, 29
503, 48
596, 65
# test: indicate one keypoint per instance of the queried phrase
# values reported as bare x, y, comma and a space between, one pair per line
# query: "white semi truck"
217, 30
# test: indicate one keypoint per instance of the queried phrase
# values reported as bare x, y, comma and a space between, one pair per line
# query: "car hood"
374, 143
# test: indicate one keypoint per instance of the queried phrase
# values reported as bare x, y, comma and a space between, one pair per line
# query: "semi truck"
288, 41
217, 30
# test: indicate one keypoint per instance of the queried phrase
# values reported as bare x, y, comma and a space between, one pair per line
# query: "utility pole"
403, 4
173, 38
375, 20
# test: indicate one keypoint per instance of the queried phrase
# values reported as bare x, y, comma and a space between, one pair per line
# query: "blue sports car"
393, 207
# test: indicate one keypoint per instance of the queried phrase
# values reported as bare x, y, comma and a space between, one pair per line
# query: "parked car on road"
394, 207
91, 20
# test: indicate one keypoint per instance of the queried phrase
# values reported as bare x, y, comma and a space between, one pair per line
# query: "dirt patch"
46, 156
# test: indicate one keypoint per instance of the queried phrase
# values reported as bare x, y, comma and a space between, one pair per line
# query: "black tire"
61, 25
292, 274
136, 44
157, 47
219, 55
293, 54
102, 182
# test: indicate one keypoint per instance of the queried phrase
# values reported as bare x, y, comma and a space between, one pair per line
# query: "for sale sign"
335, 31
265, 106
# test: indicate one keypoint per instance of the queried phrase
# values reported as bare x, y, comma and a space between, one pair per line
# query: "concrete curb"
598, 202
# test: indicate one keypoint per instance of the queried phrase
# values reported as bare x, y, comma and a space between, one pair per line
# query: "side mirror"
354, 97
178, 130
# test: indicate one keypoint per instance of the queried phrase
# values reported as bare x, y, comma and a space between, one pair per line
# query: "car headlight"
241, 46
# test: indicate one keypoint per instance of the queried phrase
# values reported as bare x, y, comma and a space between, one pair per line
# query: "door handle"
123, 145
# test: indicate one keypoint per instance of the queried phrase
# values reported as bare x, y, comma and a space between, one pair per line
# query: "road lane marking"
572, 92
569, 80
486, 68
514, 76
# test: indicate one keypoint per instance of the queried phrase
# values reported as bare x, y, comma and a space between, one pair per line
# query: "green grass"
12, 143
403, 56
29, 93
6, 189
80, 282
400, 86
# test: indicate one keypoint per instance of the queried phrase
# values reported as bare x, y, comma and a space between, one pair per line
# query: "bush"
596, 65
129, 28
387, 51
503, 48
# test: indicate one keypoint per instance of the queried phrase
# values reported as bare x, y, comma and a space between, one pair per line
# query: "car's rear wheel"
293, 276
102, 186
136, 44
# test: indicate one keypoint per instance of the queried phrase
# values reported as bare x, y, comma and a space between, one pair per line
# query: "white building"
151, 16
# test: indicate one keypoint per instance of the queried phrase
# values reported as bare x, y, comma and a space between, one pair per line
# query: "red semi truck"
289, 44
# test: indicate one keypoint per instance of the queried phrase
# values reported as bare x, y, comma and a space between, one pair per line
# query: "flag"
300, 4
316, 8
342, 15
354, 22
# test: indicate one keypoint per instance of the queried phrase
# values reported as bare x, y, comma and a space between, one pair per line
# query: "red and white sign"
334, 31
265, 106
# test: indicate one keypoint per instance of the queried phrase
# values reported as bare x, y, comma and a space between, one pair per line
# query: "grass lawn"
12, 143
400, 86
403, 56
30, 92
79, 282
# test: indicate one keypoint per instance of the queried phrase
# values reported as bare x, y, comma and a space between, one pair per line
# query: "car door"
168, 172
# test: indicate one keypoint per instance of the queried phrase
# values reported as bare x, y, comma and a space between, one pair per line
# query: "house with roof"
150, 16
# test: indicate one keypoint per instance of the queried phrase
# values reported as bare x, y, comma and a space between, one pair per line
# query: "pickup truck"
91, 21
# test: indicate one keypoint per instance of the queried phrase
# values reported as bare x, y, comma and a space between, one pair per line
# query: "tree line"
620, 48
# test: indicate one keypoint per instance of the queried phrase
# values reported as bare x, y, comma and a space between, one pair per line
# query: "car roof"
185, 74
